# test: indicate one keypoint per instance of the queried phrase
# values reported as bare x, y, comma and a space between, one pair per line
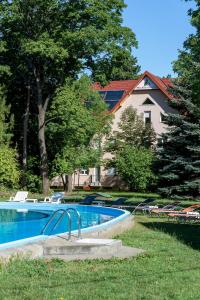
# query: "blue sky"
161, 27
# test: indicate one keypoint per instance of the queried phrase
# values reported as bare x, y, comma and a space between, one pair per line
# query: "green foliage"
188, 64
33, 182
68, 37
6, 122
77, 121
132, 131
131, 149
9, 171
178, 157
134, 165
43, 43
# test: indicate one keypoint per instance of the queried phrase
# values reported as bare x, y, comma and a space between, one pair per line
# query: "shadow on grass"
186, 233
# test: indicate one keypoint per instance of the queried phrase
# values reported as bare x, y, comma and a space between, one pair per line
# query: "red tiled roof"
126, 85
129, 85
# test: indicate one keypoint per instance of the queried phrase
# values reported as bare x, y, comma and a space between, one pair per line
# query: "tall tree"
187, 65
49, 40
131, 150
131, 131
178, 156
76, 122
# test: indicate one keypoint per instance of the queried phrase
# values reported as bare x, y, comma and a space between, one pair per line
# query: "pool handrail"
79, 219
64, 212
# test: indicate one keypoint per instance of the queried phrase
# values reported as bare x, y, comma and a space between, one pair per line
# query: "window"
160, 142
111, 172
84, 172
147, 117
147, 82
148, 102
163, 118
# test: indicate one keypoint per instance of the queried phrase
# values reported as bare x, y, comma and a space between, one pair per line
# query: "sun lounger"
187, 213
144, 207
118, 203
20, 196
95, 199
88, 200
55, 198
165, 209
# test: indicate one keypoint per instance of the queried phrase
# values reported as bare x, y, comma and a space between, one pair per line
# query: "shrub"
9, 170
134, 165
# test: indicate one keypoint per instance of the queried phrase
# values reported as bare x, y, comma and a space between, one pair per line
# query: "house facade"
150, 97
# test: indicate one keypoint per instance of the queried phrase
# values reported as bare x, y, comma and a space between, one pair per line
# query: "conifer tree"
179, 156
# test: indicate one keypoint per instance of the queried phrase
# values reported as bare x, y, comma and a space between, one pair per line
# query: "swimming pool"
21, 222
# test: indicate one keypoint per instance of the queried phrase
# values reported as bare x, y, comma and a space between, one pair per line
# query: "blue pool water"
20, 221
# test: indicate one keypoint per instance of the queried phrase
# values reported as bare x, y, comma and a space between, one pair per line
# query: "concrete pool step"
83, 246
87, 249
58, 247
124, 252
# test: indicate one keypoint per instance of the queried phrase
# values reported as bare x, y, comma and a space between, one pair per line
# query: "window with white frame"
84, 172
147, 117
111, 172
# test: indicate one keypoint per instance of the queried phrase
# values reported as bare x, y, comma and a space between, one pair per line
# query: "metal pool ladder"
64, 212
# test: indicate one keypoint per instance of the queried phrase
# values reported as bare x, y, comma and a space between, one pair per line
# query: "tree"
187, 66
6, 121
9, 171
132, 131
131, 149
134, 165
50, 40
178, 157
77, 121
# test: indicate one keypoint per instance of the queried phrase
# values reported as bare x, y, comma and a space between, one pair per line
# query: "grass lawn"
169, 270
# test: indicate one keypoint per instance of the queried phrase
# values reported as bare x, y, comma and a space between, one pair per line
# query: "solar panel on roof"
114, 95
102, 94
111, 104
111, 97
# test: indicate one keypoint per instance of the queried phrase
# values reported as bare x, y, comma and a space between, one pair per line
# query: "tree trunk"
42, 107
69, 183
25, 134
63, 176
43, 150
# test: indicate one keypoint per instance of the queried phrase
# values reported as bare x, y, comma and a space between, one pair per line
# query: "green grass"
168, 270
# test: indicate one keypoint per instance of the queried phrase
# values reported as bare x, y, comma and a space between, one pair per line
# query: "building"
150, 96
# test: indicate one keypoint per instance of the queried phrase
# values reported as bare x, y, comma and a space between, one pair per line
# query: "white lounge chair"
55, 198
21, 196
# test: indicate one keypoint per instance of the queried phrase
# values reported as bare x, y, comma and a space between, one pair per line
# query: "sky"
161, 27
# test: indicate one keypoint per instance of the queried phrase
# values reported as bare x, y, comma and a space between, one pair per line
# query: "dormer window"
148, 102
147, 82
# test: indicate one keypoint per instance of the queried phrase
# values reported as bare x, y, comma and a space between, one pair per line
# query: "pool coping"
92, 230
